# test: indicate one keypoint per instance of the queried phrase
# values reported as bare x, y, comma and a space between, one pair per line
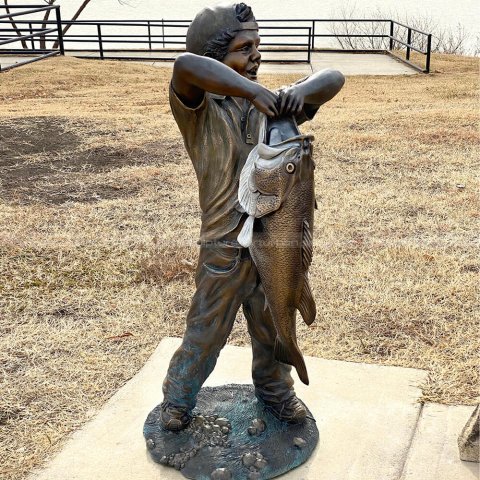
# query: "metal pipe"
397, 40
60, 31
313, 34
309, 54
406, 26
35, 10
391, 35
31, 60
100, 44
163, 33
26, 37
409, 41
31, 33
149, 37
429, 52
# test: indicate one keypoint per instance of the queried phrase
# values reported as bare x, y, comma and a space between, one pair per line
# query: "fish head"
278, 168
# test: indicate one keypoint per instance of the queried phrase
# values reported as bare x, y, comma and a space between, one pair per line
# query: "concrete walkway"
347, 63
8, 61
371, 425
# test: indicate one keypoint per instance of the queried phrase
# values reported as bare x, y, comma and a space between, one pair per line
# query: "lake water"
444, 13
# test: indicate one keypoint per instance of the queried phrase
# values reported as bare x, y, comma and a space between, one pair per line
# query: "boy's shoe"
174, 418
290, 411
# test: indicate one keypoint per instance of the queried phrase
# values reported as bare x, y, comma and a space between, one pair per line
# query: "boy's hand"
291, 101
265, 101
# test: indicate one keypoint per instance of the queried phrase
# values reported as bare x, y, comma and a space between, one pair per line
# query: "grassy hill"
99, 221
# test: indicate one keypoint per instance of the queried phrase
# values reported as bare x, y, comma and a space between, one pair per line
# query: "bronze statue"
251, 255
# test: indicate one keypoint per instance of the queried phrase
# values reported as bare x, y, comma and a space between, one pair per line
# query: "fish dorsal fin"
307, 245
307, 307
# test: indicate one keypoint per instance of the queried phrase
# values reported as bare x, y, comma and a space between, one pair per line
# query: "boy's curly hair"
217, 48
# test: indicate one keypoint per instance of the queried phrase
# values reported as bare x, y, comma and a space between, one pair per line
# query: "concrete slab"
434, 451
297, 68
7, 61
348, 63
360, 64
279, 56
141, 55
366, 415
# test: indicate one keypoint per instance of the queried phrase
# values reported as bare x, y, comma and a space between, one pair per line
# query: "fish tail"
291, 354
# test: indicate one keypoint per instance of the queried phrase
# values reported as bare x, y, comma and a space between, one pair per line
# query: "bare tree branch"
14, 25
77, 14
444, 39
44, 24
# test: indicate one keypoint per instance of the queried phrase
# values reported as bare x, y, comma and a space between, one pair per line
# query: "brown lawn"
99, 219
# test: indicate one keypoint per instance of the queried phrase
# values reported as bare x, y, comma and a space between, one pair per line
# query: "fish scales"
281, 240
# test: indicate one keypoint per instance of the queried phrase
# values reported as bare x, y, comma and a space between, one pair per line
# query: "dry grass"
99, 217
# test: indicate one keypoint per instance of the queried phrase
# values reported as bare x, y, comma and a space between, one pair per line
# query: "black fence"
14, 34
286, 40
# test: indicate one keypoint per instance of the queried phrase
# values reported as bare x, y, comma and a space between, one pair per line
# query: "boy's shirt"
218, 137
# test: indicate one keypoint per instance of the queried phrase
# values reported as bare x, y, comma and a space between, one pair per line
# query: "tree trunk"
77, 14
14, 25
43, 44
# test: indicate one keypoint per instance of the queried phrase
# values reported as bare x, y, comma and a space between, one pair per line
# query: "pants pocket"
221, 259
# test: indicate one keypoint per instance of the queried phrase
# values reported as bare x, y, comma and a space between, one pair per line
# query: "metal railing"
427, 51
157, 39
163, 36
17, 36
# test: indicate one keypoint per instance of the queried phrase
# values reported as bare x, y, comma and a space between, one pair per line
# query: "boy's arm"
194, 75
316, 90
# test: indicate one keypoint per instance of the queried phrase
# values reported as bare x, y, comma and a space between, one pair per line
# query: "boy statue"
217, 104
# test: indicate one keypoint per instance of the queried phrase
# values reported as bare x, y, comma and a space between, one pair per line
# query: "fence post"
313, 34
409, 41
429, 51
32, 41
100, 43
163, 33
60, 31
149, 36
309, 44
391, 35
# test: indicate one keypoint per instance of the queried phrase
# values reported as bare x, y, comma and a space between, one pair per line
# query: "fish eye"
290, 167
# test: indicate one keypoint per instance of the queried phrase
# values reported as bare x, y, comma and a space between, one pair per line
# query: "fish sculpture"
276, 190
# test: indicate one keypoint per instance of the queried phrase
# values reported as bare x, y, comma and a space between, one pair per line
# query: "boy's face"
243, 56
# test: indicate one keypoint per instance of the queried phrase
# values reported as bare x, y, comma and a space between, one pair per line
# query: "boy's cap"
211, 21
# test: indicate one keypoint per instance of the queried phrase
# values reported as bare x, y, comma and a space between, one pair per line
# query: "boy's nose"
256, 55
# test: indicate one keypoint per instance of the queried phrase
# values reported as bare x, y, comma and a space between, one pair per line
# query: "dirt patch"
43, 160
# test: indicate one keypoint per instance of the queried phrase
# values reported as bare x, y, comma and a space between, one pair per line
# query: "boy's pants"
226, 278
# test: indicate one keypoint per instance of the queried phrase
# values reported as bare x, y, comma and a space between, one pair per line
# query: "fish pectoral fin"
307, 307
291, 355
246, 234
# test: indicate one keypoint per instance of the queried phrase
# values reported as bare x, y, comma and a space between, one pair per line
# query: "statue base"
231, 437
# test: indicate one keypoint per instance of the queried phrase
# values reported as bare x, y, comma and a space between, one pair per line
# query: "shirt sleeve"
186, 117
205, 130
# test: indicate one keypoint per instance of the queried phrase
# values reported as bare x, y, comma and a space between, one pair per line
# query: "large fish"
277, 191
